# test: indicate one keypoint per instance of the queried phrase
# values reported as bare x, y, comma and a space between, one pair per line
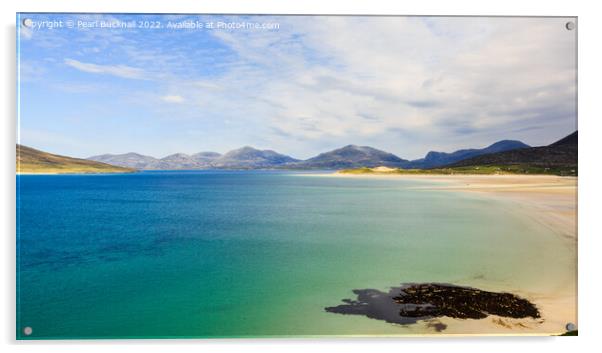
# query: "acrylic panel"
236, 176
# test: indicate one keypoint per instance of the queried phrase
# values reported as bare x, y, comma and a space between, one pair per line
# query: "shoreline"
548, 200
552, 198
72, 173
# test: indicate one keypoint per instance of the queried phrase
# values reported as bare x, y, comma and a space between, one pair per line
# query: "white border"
589, 178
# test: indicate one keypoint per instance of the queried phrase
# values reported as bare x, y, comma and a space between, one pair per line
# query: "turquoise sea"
251, 253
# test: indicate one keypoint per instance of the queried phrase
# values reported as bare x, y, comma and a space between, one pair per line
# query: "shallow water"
225, 253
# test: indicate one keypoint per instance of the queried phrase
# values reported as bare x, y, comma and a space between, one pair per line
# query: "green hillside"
30, 160
559, 158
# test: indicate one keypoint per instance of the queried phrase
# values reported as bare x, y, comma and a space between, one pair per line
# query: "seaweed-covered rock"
419, 301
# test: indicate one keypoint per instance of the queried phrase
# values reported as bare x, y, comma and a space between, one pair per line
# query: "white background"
590, 100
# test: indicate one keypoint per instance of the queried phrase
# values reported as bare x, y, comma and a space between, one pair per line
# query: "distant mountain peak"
506, 145
352, 156
250, 157
208, 154
246, 148
126, 160
436, 159
364, 149
177, 155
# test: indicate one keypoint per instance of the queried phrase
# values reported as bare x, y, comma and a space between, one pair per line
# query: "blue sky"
406, 85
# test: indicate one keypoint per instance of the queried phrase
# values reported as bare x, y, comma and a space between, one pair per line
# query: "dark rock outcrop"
410, 303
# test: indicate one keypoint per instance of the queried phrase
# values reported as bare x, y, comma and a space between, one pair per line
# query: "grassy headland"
32, 161
478, 169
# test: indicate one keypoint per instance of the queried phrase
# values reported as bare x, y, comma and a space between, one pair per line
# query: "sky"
299, 85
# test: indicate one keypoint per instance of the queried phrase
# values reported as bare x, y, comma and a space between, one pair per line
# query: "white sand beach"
551, 201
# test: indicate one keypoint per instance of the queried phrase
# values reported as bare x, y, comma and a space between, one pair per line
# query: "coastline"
552, 198
74, 173
549, 201
30, 173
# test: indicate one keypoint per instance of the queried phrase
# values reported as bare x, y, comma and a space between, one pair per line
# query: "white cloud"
173, 99
455, 82
114, 70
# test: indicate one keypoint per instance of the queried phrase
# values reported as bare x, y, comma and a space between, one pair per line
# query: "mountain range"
350, 156
242, 158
